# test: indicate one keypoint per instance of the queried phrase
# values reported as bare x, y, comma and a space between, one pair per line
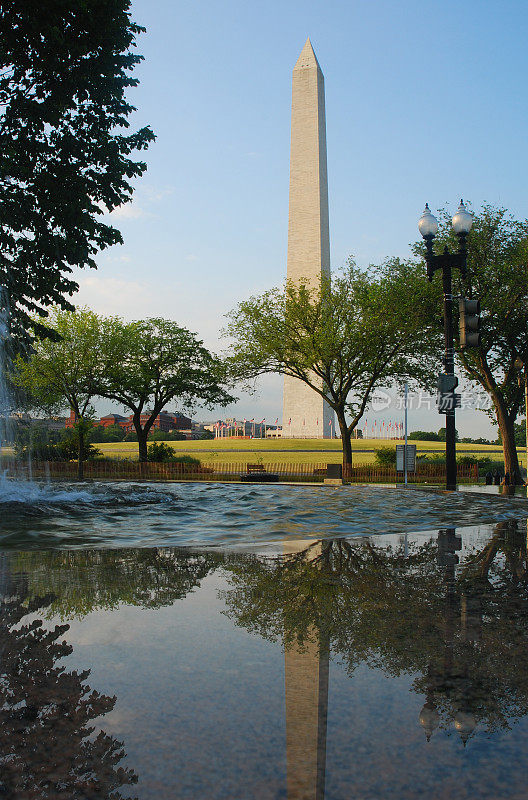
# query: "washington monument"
305, 413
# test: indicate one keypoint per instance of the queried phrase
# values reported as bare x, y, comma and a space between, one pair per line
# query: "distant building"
232, 428
112, 419
165, 421
71, 420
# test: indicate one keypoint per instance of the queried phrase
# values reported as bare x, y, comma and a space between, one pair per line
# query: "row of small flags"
377, 430
383, 430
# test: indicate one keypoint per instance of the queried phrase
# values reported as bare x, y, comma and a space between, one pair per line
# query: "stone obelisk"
305, 413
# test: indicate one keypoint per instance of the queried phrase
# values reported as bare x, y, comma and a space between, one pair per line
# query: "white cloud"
155, 195
129, 211
115, 296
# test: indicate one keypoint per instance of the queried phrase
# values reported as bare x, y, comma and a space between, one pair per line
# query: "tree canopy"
155, 361
142, 365
364, 329
64, 371
65, 69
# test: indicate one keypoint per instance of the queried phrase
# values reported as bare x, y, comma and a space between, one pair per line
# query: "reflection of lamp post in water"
306, 687
450, 682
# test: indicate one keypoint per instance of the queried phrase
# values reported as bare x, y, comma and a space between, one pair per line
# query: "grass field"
299, 451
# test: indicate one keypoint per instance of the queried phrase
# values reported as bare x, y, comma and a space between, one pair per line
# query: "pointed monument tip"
307, 57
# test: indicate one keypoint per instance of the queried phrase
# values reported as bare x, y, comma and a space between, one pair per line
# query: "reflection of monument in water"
305, 414
306, 685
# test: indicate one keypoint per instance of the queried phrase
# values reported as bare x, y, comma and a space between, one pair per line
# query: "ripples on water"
117, 514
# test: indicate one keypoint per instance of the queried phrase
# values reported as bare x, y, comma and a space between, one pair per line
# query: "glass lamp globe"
429, 719
462, 221
465, 724
428, 224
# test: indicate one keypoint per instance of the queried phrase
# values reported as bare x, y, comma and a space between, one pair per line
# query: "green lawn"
291, 450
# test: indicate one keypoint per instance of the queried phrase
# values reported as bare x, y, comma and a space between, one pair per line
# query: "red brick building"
165, 421
71, 420
112, 419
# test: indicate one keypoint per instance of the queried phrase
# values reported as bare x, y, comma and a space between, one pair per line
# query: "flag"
289, 423
277, 421
317, 422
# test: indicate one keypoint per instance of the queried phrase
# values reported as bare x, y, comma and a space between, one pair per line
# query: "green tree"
424, 436
64, 372
158, 435
441, 435
498, 276
363, 330
108, 433
65, 69
154, 361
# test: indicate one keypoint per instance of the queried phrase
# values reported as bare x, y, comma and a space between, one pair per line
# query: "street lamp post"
446, 261
523, 373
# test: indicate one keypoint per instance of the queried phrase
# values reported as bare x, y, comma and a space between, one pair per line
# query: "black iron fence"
114, 469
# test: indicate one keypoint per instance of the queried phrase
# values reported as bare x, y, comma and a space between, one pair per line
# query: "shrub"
431, 459
467, 461
163, 453
43, 444
386, 456
485, 464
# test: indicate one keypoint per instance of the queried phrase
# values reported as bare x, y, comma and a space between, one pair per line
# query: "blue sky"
425, 101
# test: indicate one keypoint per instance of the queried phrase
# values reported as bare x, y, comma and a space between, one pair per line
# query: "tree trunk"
142, 443
346, 443
509, 448
80, 453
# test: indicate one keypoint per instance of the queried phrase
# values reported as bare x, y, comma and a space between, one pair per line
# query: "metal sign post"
405, 451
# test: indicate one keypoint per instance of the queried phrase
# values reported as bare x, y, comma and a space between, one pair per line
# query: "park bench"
256, 473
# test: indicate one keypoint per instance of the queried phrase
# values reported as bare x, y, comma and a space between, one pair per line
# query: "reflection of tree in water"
463, 631
47, 742
82, 581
